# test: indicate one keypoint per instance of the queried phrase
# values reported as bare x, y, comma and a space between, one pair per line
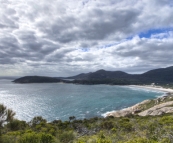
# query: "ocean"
58, 101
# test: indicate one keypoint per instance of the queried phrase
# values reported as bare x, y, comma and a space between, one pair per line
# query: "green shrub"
124, 124
140, 140
114, 130
166, 120
80, 141
66, 137
165, 140
29, 138
107, 125
8, 139
102, 138
15, 125
46, 138
37, 120
52, 131
63, 125
36, 138
104, 141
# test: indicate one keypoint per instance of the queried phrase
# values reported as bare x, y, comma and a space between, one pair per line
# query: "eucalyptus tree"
6, 115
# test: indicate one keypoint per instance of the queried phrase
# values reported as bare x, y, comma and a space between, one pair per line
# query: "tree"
37, 120
71, 118
6, 115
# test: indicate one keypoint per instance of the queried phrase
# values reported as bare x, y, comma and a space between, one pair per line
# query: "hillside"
161, 76
101, 74
36, 79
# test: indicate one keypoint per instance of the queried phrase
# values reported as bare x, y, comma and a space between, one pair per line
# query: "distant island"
36, 79
156, 76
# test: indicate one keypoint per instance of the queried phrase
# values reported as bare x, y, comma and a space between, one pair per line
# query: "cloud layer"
62, 38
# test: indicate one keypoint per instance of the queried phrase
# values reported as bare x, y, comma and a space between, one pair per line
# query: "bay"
58, 101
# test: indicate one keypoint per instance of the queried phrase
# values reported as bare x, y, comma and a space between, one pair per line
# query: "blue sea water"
54, 101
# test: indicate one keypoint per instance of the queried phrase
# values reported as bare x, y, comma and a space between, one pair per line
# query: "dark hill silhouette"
36, 79
101, 74
161, 76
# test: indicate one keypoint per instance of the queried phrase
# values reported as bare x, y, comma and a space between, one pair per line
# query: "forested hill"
160, 76
36, 79
101, 74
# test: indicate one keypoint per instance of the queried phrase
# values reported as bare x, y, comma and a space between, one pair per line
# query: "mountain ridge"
160, 76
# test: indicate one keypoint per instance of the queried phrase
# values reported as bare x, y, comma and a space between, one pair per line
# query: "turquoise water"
60, 101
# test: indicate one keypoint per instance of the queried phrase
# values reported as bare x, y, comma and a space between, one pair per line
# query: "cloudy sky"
68, 37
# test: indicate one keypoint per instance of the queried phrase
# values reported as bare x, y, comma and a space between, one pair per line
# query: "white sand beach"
168, 90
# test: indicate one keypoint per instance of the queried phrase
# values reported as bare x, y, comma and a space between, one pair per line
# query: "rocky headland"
153, 107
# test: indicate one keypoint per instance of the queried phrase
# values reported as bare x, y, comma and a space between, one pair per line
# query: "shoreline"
134, 108
167, 90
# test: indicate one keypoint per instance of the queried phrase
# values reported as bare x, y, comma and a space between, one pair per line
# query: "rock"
154, 107
158, 109
128, 111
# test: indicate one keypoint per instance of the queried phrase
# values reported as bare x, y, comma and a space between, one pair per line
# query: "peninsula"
36, 79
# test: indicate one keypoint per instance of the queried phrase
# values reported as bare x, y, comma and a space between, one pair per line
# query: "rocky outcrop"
158, 109
128, 111
153, 107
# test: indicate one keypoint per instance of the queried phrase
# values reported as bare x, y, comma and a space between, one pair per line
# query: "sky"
68, 37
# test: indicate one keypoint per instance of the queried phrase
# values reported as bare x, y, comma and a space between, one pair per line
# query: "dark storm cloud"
95, 25
58, 55
104, 23
60, 29
7, 61
84, 44
30, 49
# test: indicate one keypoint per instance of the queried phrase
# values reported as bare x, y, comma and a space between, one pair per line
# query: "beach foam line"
167, 90
107, 113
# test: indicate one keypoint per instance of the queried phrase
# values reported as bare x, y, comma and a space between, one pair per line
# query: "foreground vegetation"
131, 129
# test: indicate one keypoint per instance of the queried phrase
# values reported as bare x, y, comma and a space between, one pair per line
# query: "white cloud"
59, 37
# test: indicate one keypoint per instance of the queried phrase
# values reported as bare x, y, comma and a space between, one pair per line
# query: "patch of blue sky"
151, 32
113, 43
85, 49
146, 34
171, 3
108, 45
129, 38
